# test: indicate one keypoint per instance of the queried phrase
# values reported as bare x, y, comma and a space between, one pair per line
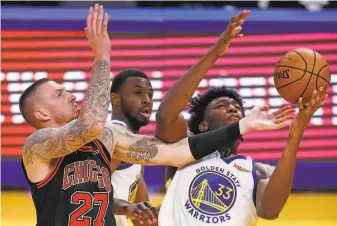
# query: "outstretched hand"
307, 110
261, 119
97, 32
233, 30
142, 212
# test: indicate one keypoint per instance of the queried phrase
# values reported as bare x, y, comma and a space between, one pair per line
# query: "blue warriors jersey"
212, 191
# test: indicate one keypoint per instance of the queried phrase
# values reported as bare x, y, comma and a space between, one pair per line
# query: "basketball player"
223, 188
131, 98
166, 115
67, 159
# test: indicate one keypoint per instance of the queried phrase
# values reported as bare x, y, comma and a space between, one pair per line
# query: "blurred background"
164, 38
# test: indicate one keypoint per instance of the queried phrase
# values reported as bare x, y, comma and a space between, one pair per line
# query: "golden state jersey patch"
212, 193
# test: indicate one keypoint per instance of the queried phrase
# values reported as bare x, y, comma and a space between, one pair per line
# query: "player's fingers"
86, 31
148, 215
239, 36
89, 17
234, 18
264, 108
281, 110
140, 215
234, 25
94, 20
244, 14
152, 210
284, 119
284, 124
300, 103
105, 24
237, 24
99, 20
313, 98
321, 95
285, 113
236, 31
239, 16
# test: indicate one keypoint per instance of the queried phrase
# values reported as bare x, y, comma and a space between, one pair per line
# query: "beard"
134, 122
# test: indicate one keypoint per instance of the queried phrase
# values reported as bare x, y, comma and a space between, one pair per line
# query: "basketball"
299, 72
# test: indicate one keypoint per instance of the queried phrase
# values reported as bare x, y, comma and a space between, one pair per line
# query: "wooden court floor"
307, 209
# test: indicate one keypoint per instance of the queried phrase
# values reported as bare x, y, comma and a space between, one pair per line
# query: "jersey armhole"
167, 184
50, 176
255, 180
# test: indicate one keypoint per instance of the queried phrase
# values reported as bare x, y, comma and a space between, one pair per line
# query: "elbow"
268, 215
98, 128
182, 157
179, 164
95, 130
163, 117
160, 116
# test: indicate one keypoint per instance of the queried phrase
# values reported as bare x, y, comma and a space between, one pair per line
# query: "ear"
42, 115
203, 126
115, 99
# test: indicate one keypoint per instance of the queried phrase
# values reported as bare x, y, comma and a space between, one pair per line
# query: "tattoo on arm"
141, 150
52, 143
107, 138
96, 101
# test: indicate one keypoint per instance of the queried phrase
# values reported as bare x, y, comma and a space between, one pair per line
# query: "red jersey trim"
105, 158
51, 174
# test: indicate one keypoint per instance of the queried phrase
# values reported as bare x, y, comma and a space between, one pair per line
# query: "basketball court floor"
307, 209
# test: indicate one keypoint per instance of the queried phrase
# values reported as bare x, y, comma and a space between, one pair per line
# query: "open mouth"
146, 113
75, 107
234, 117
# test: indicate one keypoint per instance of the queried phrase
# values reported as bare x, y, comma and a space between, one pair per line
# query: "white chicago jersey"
125, 182
212, 191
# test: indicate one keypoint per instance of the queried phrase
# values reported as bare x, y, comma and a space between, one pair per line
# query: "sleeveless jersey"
77, 191
212, 191
125, 182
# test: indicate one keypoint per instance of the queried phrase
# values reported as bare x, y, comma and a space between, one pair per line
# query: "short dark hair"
119, 80
198, 104
26, 95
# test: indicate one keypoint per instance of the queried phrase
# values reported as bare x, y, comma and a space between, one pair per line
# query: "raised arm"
49, 143
170, 124
145, 150
273, 193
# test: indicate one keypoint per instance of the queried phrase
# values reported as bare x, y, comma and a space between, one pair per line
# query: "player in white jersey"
223, 188
226, 188
131, 98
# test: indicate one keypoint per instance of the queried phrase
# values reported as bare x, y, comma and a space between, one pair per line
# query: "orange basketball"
299, 72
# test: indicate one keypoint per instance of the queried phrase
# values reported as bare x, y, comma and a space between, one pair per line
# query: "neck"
51, 124
116, 115
230, 150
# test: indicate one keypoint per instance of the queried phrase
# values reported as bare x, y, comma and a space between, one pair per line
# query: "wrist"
104, 56
299, 124
244, 126
220, 47
125, 209
213, 53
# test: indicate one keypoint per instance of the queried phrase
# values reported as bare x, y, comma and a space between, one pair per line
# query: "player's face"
222, 111
59, 103
136, 100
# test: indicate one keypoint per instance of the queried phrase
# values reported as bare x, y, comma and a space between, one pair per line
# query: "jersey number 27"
78, 218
